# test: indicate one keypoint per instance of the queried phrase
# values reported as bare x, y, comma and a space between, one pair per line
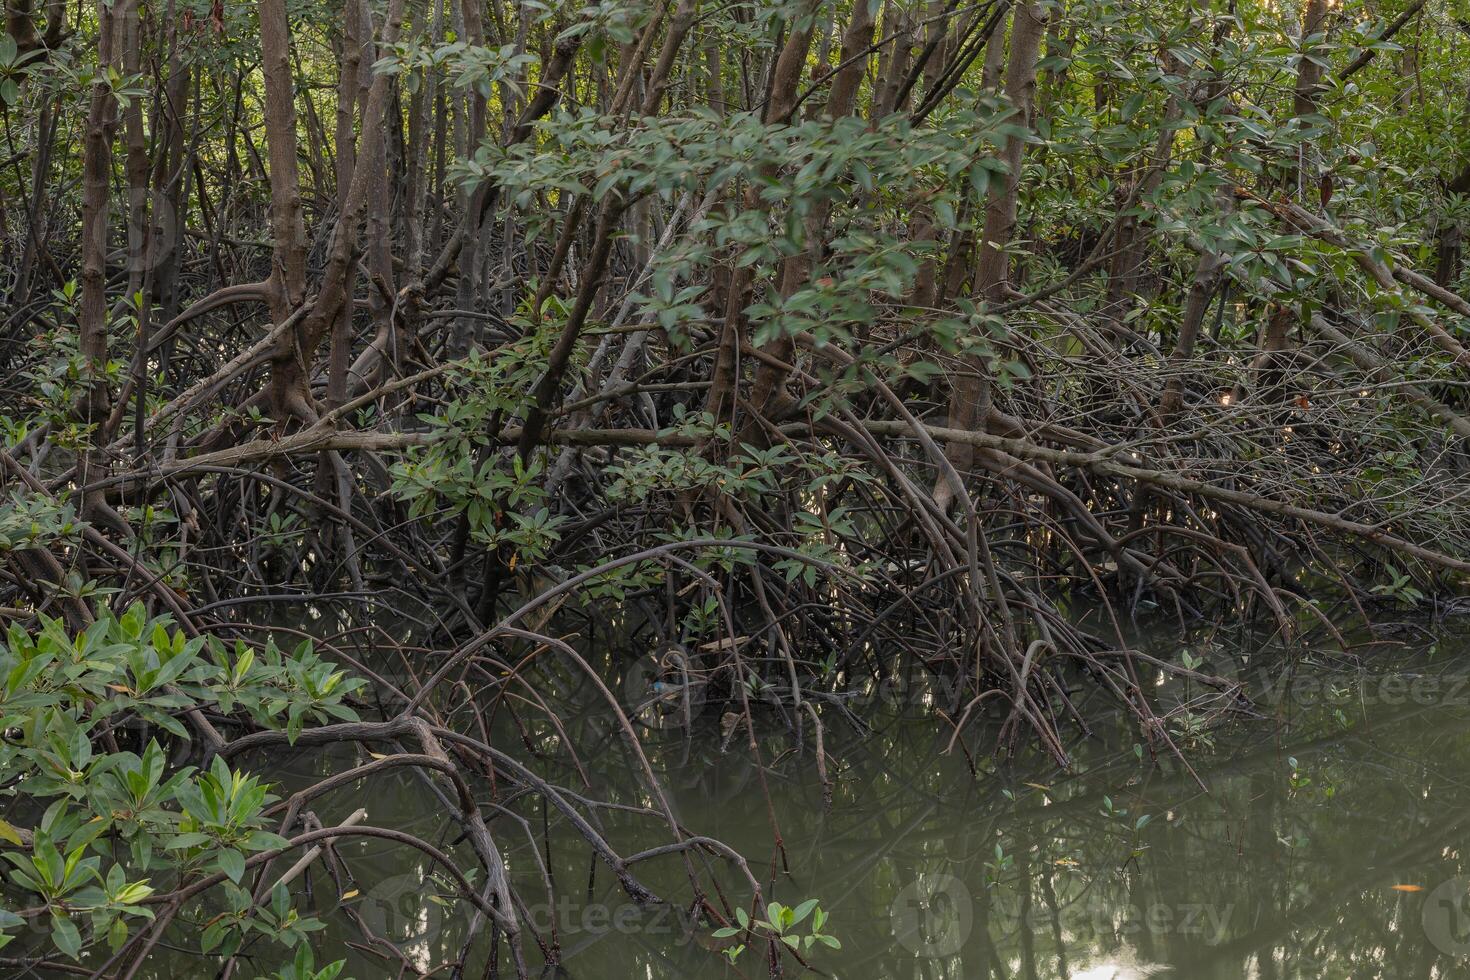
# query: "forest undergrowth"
797, 344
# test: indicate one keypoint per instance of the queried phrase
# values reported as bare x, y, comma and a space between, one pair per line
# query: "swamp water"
1333, 841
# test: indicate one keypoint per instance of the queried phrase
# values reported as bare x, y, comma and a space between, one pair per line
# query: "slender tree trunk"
785, 81
1196, 304
348, 82
1304, 99
290, 395
548, 387
93, 315
969, 401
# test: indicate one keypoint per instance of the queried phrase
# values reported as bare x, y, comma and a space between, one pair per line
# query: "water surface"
1321, 833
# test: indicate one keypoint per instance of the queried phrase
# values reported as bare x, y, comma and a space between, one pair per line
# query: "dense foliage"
803, 342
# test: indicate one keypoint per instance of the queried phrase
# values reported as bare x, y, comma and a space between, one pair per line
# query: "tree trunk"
290, 394
92, 324
969, 400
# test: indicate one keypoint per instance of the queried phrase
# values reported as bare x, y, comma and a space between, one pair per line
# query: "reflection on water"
1328, 844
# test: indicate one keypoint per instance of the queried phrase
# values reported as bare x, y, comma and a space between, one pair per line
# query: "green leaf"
117, 934
66, 937
213, 933
232, 863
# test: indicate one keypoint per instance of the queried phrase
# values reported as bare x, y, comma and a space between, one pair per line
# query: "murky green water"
1322, 838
